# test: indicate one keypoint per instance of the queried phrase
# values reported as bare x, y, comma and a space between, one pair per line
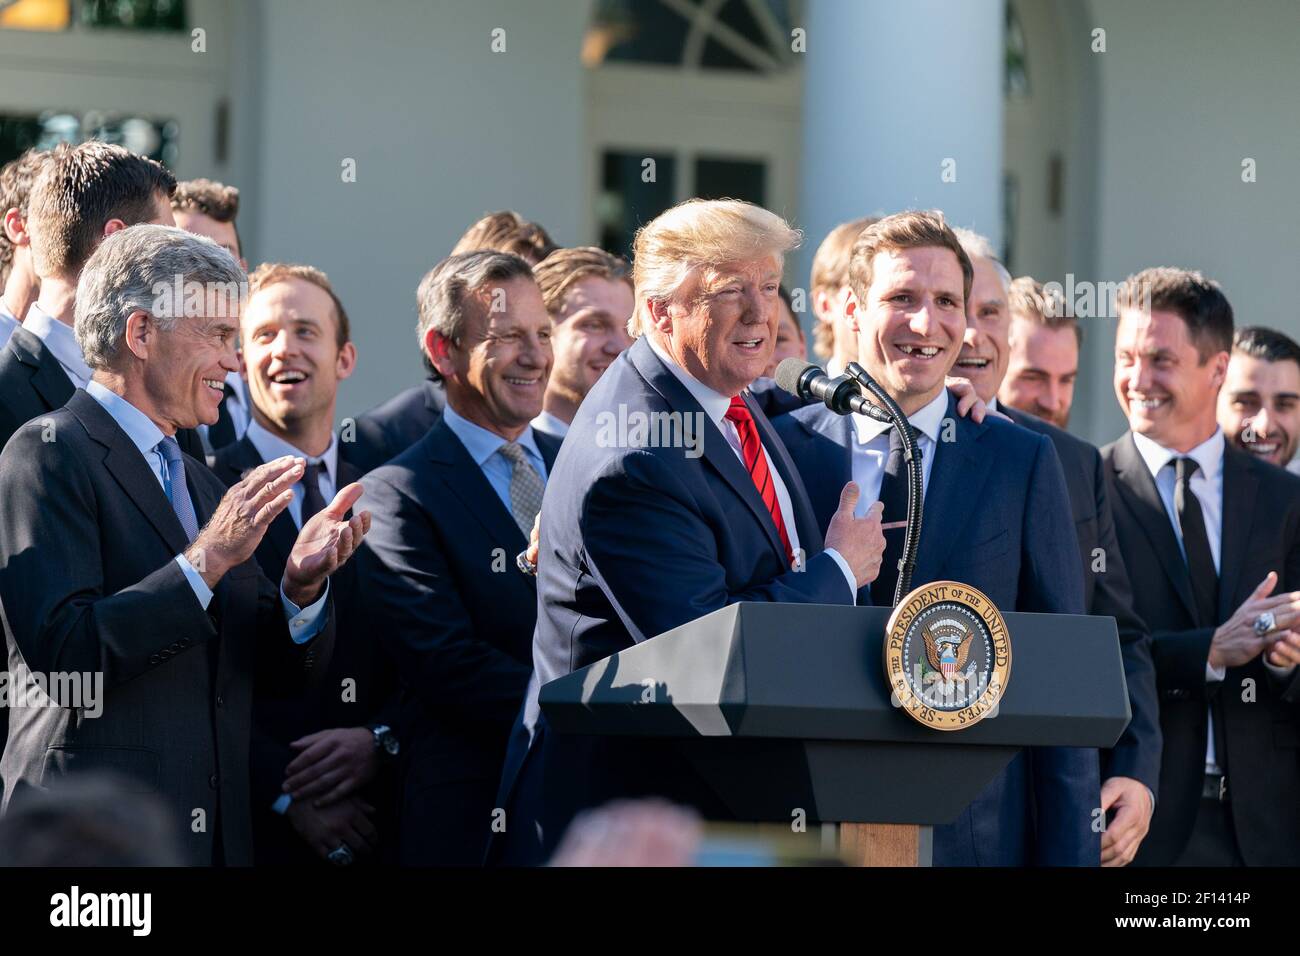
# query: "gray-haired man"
124, 559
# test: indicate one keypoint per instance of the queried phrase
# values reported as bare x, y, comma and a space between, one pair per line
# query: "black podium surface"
783, 706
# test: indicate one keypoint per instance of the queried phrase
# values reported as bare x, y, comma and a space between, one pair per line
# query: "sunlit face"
1259, 407
911, 325
721, 327
1043, 366
589, 333
790, 341
1168, 394
201, 224
984, 353
186, 367
496, 375
292, 360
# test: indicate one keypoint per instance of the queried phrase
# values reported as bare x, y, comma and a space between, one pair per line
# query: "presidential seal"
947, 655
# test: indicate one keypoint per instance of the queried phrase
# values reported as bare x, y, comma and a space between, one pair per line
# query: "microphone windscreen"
789, 372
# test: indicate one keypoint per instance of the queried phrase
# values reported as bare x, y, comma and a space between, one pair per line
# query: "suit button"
212, 781
175, 647
221, 701
155, 659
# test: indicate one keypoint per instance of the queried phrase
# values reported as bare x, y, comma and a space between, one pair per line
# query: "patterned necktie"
751, 447
893, 495
526, 487
1196, 543
177, 490
312, 499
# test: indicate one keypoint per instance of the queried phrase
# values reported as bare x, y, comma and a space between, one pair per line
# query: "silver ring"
1265, 623
341, 856
524, 565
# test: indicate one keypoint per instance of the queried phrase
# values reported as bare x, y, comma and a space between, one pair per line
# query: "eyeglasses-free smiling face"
1259, 407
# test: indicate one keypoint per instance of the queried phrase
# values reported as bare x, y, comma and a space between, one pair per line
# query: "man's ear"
346, 363
1220, 369
112, 226
851, 311
438, 348
14, 228
660, 315
141, 331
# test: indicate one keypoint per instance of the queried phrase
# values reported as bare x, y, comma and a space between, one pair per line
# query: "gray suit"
88, 584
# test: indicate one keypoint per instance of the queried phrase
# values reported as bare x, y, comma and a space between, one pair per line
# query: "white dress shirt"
304, 623
61, 341
548, 423
1207, 485
8, 322
271, 447
871, 451
715, 406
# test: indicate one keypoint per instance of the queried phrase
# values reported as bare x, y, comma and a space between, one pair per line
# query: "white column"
895, 94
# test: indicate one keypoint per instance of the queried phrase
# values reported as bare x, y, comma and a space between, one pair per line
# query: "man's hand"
969, 404
1235, 641
1286, 652
650, 832
858, 540
324, 544
331, 764
325, 829
1132, 803
242, 516
534, 540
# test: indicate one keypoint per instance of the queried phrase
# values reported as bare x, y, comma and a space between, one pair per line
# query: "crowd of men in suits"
320, 636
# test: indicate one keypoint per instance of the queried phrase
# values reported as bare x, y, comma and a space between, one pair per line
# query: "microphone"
840, 394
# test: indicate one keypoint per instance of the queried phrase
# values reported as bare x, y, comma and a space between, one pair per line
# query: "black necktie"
312, 500
1196, 544
223, 432
893, 494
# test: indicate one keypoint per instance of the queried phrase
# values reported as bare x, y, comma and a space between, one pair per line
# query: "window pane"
721, 178
635, 187
633, 31
135, 14
154, 138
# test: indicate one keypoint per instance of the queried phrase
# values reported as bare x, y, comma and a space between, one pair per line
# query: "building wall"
442, 130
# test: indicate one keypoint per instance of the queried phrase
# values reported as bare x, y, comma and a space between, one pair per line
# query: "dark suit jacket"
1022, 554
1258, 737
457, 616
1107, 593
33, 383
634, 542
88, 584
389, 429
283, 714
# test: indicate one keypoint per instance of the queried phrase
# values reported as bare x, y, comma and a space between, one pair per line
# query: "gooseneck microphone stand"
912, 455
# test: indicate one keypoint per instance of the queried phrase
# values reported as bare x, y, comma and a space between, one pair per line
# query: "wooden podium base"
886, 844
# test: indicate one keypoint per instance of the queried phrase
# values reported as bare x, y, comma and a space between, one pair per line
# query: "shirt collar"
715, 404
139, 427
481, 443
546, 422
7, 317
1208, 455
271, 447
58, 338
926, 420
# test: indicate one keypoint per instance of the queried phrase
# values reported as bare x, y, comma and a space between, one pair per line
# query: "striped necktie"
751, 447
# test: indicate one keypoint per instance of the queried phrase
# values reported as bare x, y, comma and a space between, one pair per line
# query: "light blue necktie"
177, 490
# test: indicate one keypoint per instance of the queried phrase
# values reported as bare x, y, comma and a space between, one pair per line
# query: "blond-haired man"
639, 538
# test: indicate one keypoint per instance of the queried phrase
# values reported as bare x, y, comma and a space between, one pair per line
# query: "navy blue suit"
996, 517
389, 429
634, 542
456, 615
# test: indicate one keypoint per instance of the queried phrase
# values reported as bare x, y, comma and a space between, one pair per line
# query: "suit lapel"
49, 381
1240, 484
466, 481
717, 450
1138, 489
957, 479
805, 519
129, 469
827, 457
549, 446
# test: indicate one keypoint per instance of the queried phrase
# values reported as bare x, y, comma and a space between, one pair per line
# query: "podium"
786, 707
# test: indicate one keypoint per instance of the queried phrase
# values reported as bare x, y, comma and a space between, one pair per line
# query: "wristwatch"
386, 741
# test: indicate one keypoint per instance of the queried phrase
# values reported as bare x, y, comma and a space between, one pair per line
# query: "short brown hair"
830, 270
269, 273
913, 229
211, 198
16, 179
1198, 301
81, 189
1027, 299
507, 231
558, 272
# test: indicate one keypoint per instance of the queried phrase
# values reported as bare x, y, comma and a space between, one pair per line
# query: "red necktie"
756, 461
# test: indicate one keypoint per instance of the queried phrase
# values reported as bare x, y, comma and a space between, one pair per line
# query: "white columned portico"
895, 94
